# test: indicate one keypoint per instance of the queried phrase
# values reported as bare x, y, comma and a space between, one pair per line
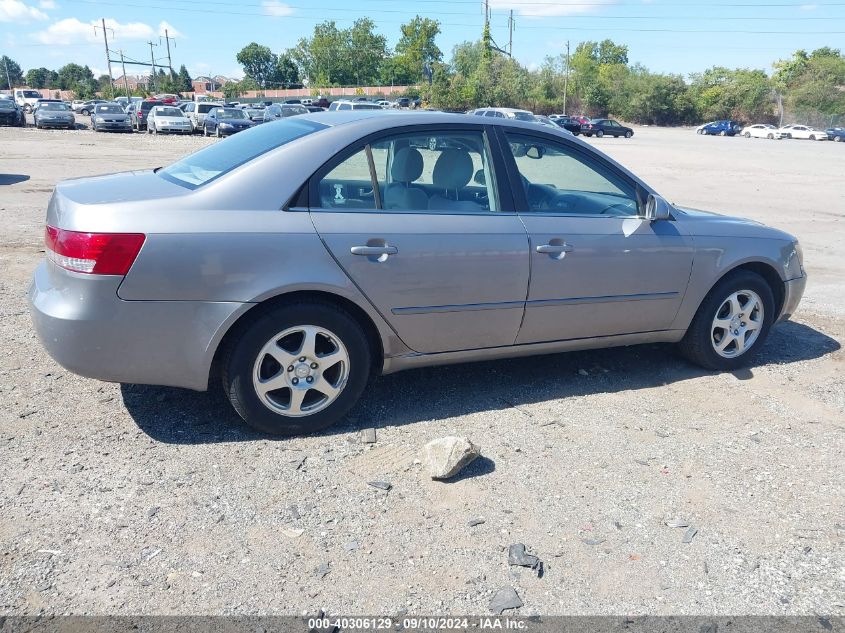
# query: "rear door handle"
555, 248
374, 250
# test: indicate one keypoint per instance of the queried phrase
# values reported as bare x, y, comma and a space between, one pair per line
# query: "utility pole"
108, 57
566, 77
167, 39
125, 80
8, 78
510, 34
152, 67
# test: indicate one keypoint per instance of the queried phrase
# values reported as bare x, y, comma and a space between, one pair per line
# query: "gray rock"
505, 598
517, 556
690, 534
381, 485
323, 570
368, 436
446, 456
677, 523
351, 546
474, 522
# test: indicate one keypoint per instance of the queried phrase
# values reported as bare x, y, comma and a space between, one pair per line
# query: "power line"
539, 3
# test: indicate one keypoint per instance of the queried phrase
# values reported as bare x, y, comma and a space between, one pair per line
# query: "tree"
41, 78
286, 72
415, 49
78, 79
9, 72
184, 80
258, 62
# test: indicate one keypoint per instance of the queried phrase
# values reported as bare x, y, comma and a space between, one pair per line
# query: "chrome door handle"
374, 250
555, 248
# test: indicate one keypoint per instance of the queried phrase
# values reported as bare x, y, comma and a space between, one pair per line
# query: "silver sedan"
295, 260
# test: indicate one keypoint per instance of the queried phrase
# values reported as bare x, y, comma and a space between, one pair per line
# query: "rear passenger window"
438, 171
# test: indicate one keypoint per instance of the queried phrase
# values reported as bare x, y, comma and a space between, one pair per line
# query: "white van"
26, 98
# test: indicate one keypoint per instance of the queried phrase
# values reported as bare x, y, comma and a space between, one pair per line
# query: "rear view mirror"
657, 208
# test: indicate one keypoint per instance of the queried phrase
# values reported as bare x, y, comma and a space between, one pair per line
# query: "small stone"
351, 546
323, 570
661, 433
593, 541
690, 534
756, 437
446, 456
677, 523
505, 598
474, 522
368, 436
152, 512
518, 556
292, 532
381, 485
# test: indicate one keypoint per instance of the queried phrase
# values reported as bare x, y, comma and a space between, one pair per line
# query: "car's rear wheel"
217, 131
297, 368
723, 133
732, 322
747, 135
770, 136
837, 139
84, 113
812, 137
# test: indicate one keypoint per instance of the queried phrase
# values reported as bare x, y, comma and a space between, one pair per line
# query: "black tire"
837, 139
628, 134
599, 134
723, 133
747, 135
204, 131
84, 113
239, 360
812, 137
696, 345
217, 132
770, 136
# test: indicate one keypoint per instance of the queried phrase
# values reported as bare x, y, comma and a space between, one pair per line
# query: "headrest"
407, 165
453, 169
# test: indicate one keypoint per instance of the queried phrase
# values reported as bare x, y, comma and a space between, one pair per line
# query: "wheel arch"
374, 337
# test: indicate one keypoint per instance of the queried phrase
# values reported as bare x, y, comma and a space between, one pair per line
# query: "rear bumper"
793, 291
90, 331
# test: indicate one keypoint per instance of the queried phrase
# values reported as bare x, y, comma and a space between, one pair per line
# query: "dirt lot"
144, 500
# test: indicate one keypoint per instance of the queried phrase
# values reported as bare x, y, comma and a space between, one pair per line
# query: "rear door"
597, 268
417, 221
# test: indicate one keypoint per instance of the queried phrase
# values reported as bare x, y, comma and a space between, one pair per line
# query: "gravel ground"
123, 499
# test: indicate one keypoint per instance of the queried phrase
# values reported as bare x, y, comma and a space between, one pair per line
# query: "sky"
677, 36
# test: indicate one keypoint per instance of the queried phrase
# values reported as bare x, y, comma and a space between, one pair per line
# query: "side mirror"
656, 208
479, 178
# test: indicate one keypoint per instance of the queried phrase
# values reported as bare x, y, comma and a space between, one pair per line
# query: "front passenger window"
561, 180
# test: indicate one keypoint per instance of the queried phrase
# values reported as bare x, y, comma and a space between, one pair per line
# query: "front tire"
599, 134
629, 134
275, 391
731, 324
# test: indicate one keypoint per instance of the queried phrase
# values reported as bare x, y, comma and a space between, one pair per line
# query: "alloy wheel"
737, 324
301, 370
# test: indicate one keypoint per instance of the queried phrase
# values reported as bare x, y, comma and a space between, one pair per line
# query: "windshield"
31, 94
523, 116
110, 109
53, 106
230, 113
6, 104
215, 160
169, 112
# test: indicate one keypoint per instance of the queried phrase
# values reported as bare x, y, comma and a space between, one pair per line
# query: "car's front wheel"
732, 322
629, 134
297, 369
599, 134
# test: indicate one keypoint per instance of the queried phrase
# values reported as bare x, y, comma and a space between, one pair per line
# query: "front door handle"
555, 249
374, 250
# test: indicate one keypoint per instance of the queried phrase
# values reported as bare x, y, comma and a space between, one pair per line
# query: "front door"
597, 268
414, 219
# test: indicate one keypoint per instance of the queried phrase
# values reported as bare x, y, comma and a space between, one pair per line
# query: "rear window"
205, 108
146, 106
169, 112
215, 160
30, 94
110, 109
53, 106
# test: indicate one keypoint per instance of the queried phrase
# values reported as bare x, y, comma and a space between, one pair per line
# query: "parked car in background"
167, 98
606, 127
720, 128
354, 105
256, 115
546, 121
806, 132
54, 114
313, 108
505, 113
168, 119
836, 133
226, 121
11, 113
559, 246
282, 110
384, 103
403, 102
26, 98
86, 107
138, 111
110, 117
293, 101
567, 123
125, 101
307, 101
321, 101
761, 130
197, 112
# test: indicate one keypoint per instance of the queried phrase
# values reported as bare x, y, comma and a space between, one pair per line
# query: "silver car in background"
168, 119
294, 260
111, 117
54, 114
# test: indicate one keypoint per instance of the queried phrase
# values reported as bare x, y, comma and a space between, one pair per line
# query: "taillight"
95, 253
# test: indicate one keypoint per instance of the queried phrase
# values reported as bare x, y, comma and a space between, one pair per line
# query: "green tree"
258, 62
185, 84
10, 71
41, 78
416, 47
286, 73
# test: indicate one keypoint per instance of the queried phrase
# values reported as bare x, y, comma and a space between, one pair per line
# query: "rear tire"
837, 139
723, 133
812, 137
259, 356
747, 135
770, 136
703, 337
599, 134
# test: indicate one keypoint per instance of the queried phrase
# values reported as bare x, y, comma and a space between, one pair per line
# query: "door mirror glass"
657, 208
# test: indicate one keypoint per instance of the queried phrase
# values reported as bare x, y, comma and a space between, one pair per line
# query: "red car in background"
167, 99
